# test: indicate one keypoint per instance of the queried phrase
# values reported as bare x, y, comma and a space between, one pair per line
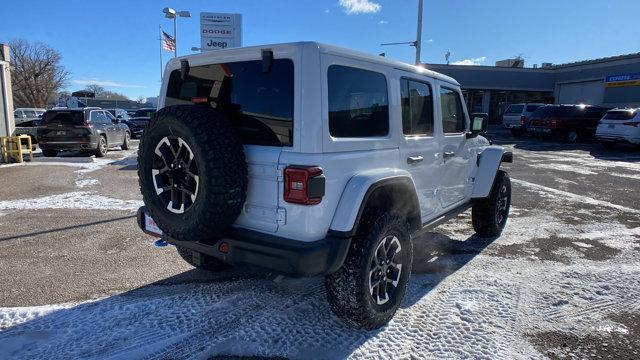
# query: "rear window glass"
514, 109
260, 104
543, 112
567, 111
532, 108
144, 113
620, 114
358, 102
63, 117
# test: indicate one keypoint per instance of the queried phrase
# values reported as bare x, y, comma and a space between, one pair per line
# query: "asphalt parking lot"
79, 279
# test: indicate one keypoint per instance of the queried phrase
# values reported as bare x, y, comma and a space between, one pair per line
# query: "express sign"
220, 31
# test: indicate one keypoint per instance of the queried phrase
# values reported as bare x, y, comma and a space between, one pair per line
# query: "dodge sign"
220, 31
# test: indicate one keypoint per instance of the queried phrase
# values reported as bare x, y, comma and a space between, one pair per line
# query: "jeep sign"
220, 31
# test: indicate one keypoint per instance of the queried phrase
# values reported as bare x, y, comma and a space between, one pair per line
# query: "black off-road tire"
125, 142
485, 213
348, 290
49, 153
103, 147
222, 170
206, 262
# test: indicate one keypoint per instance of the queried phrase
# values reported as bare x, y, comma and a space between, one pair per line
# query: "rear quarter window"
358, 102
260, 105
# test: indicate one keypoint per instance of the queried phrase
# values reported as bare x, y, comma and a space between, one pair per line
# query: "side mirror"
479, 124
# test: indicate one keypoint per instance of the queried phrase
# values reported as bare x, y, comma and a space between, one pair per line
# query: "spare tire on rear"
192, 172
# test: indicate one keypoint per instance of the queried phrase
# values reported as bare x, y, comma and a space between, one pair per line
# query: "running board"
443, 218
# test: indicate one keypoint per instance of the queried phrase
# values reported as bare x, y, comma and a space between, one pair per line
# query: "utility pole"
418, 43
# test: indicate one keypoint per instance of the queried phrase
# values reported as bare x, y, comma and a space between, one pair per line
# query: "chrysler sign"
220, 31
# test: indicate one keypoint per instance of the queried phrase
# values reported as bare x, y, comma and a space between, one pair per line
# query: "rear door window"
417, 108
260, 104
453, 120
358, 102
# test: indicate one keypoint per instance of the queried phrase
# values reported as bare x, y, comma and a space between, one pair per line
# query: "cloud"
359, 6
382, 22
105, 83
476, 61
430, 41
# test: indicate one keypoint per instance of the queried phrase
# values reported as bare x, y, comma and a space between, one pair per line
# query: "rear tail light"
303, 185
522, 119
632, 123
84, 126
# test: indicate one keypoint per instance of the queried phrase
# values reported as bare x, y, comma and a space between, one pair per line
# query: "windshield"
145, 113
63, 117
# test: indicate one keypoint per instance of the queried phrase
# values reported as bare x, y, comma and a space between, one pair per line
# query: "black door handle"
414, 159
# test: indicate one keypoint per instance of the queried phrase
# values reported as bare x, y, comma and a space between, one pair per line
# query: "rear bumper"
618, 138
67, 145
282, 255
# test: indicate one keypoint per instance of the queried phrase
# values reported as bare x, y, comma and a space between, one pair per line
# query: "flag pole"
160, 38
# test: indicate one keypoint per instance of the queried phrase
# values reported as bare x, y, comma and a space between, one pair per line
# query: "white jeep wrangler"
309, 159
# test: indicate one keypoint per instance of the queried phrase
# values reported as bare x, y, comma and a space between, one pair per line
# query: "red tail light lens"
522, 119
303, 185
632, 123
84, 126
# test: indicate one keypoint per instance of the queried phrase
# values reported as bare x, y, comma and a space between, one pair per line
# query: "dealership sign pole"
220, 31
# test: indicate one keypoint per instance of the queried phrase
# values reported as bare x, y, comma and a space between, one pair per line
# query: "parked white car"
21, 115
516, 116
308, 159
619, 126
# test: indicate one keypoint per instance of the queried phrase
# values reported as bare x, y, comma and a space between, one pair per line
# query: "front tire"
489, 216
204, 262
369, 287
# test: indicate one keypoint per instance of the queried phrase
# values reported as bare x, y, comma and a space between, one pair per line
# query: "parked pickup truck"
307, 159
570, 122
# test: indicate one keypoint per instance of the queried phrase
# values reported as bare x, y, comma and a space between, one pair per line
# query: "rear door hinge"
280, 172
282, 216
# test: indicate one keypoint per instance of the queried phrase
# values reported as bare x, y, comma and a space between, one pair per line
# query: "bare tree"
37, 74
98, 90
141, 100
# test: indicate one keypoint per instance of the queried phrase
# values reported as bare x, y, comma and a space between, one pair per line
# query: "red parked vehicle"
571, 122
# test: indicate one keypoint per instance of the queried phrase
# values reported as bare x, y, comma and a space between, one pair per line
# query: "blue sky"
114, 43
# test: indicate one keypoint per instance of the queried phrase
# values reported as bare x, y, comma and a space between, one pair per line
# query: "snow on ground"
468, 298
71, 200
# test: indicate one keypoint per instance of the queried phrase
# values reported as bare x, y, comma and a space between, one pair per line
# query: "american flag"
168, 42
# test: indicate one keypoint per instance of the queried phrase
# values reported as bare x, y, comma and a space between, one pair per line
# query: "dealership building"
610, 82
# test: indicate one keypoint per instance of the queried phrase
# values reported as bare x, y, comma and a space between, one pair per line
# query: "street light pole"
419, 34
175, 36
171, 13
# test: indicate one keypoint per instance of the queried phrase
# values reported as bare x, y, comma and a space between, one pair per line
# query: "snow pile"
71, 200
